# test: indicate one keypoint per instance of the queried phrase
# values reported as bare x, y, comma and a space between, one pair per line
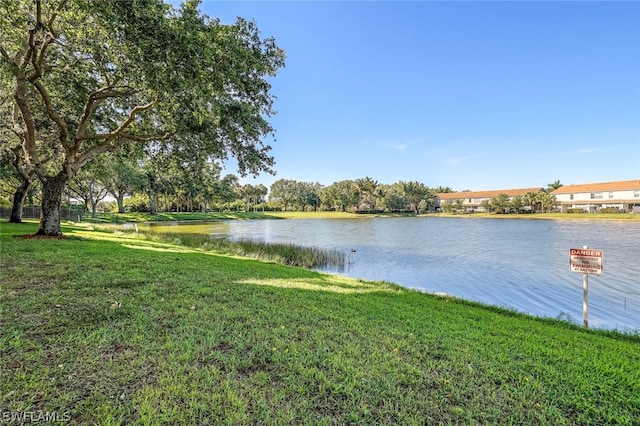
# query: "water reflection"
521, 264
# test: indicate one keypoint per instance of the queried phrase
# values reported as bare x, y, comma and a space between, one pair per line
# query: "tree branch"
54, 15
93, 101
89, 106
26, 58
23, 168
28, 136
112, 144
39, 49
121, 127
38, 58
38, 14
64, 133
147, 138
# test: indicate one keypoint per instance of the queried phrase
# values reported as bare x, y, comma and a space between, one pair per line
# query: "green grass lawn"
110, 328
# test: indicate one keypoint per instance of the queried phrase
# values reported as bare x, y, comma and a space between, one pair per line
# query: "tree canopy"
88, 77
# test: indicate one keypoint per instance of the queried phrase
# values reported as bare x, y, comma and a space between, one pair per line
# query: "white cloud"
453, 161
402, 147
583, 151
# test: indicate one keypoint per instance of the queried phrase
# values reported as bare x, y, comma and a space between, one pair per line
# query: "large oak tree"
88, 77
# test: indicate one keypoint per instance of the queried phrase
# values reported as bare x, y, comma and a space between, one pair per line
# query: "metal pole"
585, 297
585, 300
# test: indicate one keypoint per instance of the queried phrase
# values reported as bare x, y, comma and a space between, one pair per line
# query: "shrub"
137, 203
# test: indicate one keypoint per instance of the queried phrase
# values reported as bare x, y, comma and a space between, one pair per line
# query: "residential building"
622, 196
472, 201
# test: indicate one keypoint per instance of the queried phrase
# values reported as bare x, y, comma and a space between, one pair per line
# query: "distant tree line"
359, 195
135, 180
130, 180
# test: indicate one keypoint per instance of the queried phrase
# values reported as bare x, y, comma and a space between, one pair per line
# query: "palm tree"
531, 199
415, 192
367, 188
500, 202
442, 190
546, 200
553, 186
516, 203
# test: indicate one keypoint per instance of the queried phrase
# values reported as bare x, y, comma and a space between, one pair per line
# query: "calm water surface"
519, 264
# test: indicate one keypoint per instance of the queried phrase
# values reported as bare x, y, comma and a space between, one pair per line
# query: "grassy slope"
142, 217
113, 329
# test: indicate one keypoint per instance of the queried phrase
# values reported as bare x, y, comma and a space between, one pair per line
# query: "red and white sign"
585, 261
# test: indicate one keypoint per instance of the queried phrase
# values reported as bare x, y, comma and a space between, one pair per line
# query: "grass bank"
107, 328
558, 216
175, 216
186, 216
147, 217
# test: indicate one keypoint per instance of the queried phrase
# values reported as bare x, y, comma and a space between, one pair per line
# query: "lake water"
518, 264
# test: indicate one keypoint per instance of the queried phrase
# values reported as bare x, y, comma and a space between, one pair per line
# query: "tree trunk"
152, 201
18, 201
52, 189
120, 200
93, 202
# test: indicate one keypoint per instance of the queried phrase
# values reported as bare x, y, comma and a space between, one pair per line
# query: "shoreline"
214, 216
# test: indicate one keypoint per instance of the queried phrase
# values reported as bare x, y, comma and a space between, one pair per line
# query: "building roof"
599, 187
487, 194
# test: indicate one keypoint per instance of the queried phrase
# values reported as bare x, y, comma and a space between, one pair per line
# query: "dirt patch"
117, 351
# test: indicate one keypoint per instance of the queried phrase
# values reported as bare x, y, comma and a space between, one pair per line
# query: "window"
636, 193
596, 195
611, 195
571, 197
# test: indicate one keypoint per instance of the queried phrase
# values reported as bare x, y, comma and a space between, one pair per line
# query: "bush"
267, 207
610, 210
576, 211
137, 203
108, 206
5, 204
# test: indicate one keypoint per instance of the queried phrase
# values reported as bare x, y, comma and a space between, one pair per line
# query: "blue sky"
470, 95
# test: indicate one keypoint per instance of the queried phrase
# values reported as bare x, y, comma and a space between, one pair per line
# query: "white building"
472, 201
621, 196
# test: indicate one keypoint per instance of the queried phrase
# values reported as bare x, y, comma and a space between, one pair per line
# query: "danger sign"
585, 261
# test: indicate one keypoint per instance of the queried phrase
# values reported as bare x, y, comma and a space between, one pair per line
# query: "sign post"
586, 261
585, 300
